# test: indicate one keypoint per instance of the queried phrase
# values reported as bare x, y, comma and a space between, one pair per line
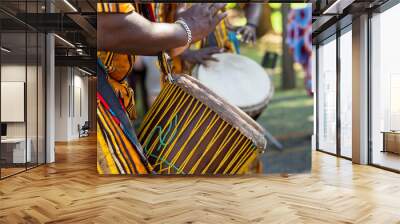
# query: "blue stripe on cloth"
105, 90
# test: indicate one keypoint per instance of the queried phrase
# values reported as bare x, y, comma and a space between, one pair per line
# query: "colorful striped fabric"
115, 7
118, 151
119, 66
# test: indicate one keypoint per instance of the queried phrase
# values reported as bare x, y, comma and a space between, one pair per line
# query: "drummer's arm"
253, 13
132, 33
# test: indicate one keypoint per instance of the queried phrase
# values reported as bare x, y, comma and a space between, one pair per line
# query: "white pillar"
314, 90
62, 103
360, 90
50, 98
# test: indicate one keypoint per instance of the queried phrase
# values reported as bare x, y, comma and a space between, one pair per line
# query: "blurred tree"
288, 75
265, 23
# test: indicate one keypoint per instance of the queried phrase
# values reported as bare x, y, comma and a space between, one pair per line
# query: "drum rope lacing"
169, 67
161, 137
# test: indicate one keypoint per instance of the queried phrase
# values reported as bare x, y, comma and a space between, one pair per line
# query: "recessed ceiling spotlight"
337, 7
84, 71
5, 50
65, 41
70, 5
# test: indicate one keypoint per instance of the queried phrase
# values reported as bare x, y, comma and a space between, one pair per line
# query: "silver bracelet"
182, 22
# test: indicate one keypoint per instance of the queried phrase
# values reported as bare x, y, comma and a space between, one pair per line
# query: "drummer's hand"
201, 56
202, 18
248, 33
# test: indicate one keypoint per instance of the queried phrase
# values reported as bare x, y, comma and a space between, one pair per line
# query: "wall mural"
195, 98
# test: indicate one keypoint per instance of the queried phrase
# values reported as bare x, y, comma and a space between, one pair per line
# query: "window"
22, 88
346, 95
385, 89
327, 96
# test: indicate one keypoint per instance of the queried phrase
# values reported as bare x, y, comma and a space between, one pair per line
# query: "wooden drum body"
191, 130
239, 80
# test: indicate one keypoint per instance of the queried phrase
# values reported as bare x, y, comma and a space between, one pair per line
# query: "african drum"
239, 80
191, 130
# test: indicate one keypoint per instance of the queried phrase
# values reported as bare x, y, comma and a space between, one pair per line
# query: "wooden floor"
5, 172
387, 159
70, 191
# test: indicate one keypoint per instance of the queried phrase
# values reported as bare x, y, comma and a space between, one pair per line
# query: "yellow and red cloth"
118, 151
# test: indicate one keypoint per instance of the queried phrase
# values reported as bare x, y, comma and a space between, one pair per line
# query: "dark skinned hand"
201, 56
248, 33
202, 18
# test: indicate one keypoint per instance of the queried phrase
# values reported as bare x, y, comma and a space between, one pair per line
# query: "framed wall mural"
193, 98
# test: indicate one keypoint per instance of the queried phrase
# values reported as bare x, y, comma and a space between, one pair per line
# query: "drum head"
238, 79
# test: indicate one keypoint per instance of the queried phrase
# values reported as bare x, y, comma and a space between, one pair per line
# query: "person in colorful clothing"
125, 30
299, 39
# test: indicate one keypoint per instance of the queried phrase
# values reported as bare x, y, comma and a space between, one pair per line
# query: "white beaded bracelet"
182, 22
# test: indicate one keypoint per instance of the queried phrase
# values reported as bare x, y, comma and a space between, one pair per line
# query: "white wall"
11, 73
33, 126
314, 90
62, 81
71, 94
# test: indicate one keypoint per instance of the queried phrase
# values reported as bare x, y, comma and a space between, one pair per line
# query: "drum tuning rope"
182, 134
166, 66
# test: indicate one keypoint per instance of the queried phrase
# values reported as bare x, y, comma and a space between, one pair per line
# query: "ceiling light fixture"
70, 5
337, 7
84, 71
79, 51
5, 50
65, 41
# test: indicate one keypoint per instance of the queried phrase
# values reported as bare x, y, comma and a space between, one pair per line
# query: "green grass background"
289, 118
